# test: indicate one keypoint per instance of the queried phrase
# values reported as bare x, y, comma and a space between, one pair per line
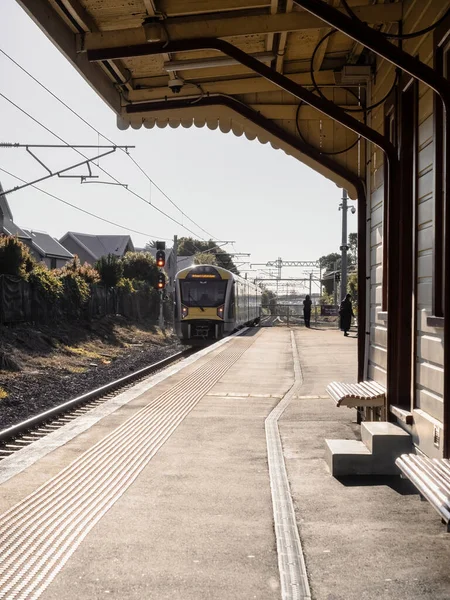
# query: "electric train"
211, 302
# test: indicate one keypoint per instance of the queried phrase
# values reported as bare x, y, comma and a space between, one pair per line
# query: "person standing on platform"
346, 314
307, 311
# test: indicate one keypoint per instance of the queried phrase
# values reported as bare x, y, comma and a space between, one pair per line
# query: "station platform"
176, 489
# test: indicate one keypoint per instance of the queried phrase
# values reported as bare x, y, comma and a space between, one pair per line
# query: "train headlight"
184, 312
220, 312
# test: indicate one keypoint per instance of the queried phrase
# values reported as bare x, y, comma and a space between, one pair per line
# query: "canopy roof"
153, 62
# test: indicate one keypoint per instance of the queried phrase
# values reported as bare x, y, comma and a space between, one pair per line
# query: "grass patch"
8, 363
3, 394
76, 369
82, 352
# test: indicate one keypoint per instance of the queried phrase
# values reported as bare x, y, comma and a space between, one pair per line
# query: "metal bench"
431, 477
353, 395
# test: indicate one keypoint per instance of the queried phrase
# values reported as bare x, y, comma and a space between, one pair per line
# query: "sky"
268, 203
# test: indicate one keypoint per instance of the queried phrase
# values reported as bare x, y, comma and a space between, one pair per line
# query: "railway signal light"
161, 281
160, 259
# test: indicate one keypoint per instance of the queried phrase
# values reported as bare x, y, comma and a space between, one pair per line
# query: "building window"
442, 66
53, 263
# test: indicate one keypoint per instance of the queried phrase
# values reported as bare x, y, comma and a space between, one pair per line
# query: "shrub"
126, 285
15, 257
48, 283
76, 292
110, 270
140, 266
86, 271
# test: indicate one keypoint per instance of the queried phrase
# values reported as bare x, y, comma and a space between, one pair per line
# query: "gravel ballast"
33, 391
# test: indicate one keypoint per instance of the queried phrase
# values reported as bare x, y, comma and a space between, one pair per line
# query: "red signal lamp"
160, 259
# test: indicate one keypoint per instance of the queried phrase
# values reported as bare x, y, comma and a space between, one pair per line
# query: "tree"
110, 269
352, 287
188, 246
150, 245
140, 266
15, 257
205, 258
353, 248
269, 300
327, 262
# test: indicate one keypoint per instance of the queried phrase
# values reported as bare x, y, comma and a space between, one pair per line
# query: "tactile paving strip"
291, 564
40, 533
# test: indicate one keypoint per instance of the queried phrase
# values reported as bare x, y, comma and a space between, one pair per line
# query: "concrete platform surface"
197, 520
364, 538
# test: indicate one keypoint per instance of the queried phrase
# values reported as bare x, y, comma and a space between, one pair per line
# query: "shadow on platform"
395, 482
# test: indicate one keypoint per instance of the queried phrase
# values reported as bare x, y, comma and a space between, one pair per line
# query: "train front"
200, 303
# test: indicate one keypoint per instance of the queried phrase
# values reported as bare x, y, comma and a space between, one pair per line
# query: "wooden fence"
21, 302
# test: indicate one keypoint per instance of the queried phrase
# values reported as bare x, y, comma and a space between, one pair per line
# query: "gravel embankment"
30, 394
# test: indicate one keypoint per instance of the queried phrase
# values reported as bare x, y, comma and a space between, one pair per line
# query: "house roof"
46, 245
100, 245
9, 227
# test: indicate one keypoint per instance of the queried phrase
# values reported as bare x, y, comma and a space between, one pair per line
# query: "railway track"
22, 434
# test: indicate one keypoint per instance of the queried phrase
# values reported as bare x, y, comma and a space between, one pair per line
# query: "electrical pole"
344, 245
174, 269
335, 283
160, 263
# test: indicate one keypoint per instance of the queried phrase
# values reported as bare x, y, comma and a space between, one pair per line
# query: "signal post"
161, 283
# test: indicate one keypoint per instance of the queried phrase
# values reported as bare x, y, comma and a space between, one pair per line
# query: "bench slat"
425, 465
432, 479
367, 393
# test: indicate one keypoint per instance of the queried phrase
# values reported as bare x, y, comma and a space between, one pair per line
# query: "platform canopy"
225, 64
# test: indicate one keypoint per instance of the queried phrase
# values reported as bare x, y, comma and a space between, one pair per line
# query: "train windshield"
203, 293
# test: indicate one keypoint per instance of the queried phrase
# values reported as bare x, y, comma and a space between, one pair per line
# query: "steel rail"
12, 432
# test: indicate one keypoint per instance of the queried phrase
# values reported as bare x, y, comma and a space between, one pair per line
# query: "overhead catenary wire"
83, 210
101, 168
105, 137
